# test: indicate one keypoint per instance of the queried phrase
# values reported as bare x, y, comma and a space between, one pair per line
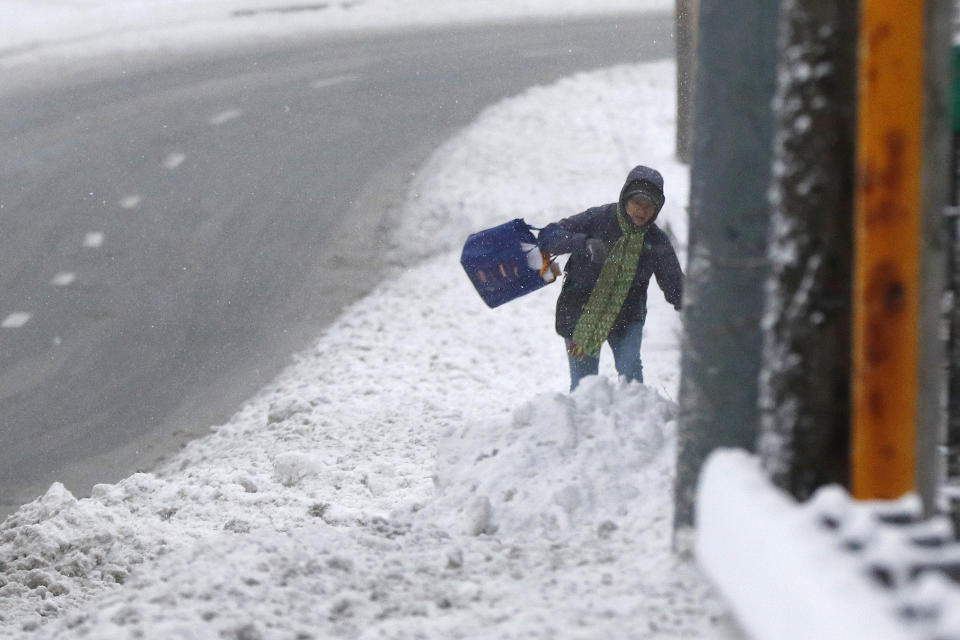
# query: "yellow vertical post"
887, 262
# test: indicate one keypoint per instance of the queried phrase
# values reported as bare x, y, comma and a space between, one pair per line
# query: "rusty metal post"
887, 260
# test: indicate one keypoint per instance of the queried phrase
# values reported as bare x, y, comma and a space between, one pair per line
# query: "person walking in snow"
614, 249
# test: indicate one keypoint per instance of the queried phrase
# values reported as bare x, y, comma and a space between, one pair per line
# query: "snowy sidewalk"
420, 472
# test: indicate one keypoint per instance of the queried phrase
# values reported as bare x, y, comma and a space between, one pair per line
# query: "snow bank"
583, 543
559, 463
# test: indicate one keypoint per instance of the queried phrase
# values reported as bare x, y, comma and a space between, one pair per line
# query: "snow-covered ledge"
783, 573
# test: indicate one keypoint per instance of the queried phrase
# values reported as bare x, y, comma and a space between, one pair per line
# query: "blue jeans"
626, 357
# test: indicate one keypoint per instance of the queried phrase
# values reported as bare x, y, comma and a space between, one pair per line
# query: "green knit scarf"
609, 293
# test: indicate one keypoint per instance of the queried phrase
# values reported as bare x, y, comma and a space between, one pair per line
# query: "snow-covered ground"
421, 472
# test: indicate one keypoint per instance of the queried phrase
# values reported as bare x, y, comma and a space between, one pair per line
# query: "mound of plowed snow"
557, 463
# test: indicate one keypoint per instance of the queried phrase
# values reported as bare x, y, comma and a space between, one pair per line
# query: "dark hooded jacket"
657, 259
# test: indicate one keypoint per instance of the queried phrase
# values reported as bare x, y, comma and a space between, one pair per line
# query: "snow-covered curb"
385, 484
778, 571
831, 568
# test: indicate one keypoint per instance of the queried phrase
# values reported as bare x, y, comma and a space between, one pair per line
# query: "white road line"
93, 240
335, 80
131, 202
63, 279
174, 160
225, 116
15, 320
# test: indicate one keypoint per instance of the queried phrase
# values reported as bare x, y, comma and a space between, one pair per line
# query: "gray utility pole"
805, 384
729, 219
687, 14
938, 80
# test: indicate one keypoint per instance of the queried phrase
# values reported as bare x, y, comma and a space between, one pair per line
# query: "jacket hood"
646, 179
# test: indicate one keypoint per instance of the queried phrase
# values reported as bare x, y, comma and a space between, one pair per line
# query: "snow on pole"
805, 380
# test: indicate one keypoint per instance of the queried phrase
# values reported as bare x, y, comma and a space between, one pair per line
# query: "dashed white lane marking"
174, 160
93, 240
15, 320
335, 80
225, 116
131, 202
63, 279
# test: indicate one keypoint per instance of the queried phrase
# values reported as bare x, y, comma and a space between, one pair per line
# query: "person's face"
640, 211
